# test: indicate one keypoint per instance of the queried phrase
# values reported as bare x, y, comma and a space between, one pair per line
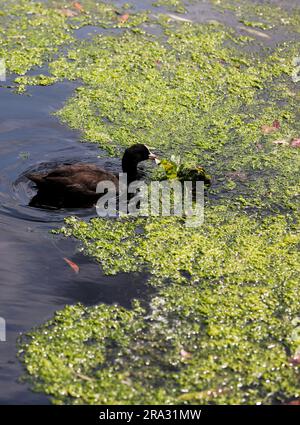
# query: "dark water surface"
35, 281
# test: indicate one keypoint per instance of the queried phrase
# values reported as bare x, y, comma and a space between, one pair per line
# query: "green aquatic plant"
30, 33
132, 83
255, 24
174, 169
36, 80
174, 5
167, 247
200, 96
223, 331
270, 15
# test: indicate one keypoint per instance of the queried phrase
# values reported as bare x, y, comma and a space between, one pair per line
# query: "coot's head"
133, 155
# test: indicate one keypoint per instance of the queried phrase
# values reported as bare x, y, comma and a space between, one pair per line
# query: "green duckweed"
174, 5
221, 332
30, 33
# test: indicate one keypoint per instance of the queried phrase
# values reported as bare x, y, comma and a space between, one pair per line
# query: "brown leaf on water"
268, 129
185, 355
295, 143
296, 359
68, 13
78, 6
73, 265
276, 124
237, 175
84, 377
123, 18
281, 142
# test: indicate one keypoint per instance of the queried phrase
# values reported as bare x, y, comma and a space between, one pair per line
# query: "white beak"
152, 156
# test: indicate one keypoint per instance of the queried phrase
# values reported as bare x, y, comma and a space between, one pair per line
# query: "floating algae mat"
223, 325
225, 335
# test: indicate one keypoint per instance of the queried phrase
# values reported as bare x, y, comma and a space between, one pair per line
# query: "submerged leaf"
255, 32
178, 18
73, 265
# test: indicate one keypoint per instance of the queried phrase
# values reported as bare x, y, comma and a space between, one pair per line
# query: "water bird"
74, 185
